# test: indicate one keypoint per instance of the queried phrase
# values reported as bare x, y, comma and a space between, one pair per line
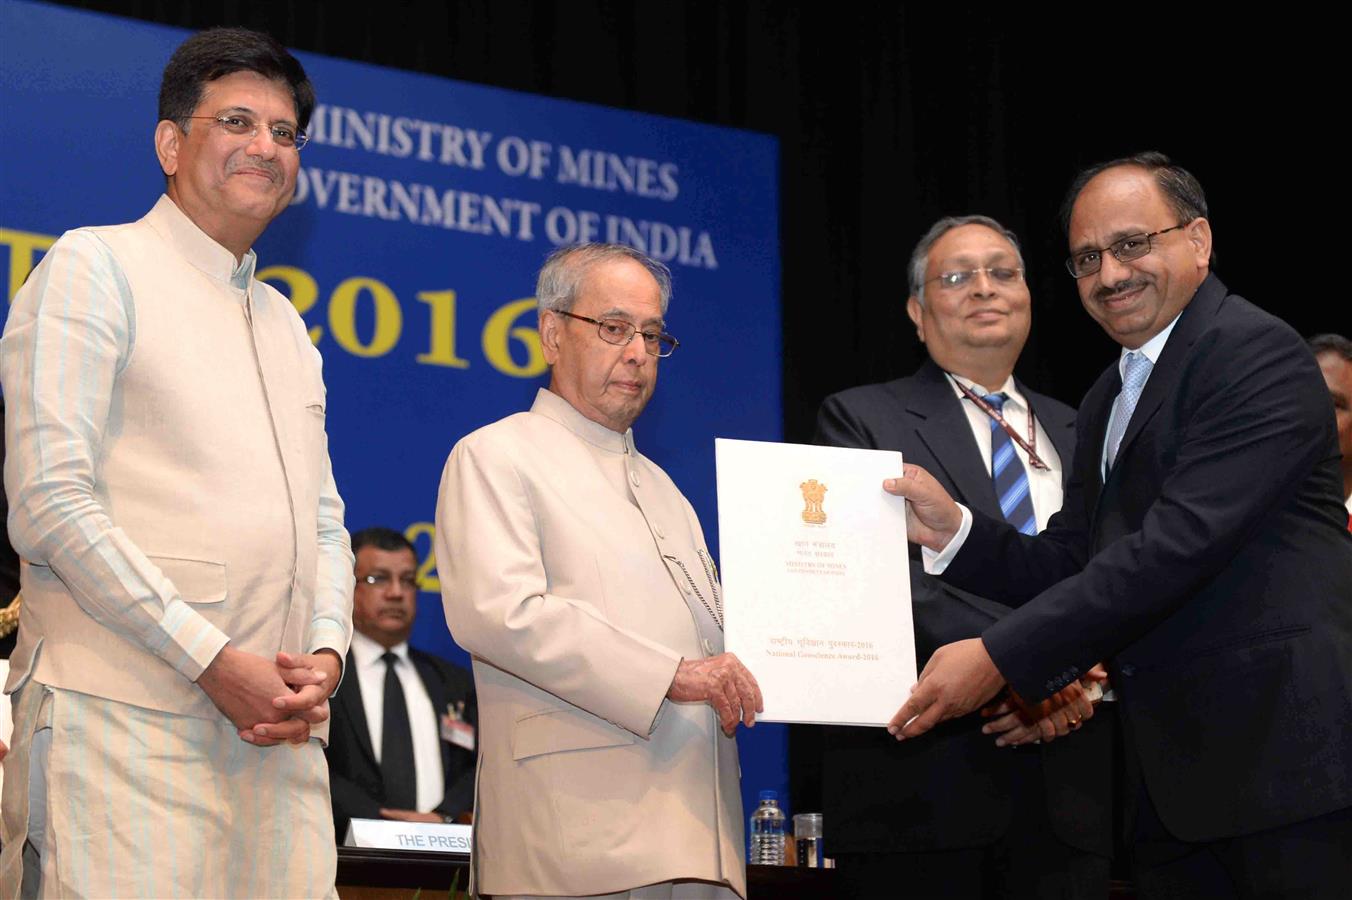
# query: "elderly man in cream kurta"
188, 581
577, 576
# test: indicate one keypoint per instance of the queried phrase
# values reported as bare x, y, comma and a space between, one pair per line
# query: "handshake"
1015, 722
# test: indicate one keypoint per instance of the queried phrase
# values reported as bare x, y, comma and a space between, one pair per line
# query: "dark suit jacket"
954, 788
354, 776
1213, 567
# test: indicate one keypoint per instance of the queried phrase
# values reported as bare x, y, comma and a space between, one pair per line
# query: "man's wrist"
936, 561
213, 666
337, 663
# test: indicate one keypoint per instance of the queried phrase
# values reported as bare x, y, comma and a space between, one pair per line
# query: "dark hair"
218, 52
382, 539
1181, 190
1331, 343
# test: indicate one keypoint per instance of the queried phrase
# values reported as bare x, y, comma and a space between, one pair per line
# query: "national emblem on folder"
814, 492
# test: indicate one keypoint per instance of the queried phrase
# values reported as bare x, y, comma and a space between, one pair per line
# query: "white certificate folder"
816, 583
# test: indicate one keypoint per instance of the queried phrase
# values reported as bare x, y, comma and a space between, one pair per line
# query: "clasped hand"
722, 682
1016, 722
271, 701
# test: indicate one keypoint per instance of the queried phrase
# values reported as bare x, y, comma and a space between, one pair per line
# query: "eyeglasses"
999, 274
1133, 246
241, 124
382, 579
619, 332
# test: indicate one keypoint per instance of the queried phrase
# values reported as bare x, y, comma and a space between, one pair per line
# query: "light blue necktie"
1009, 475
1136, 369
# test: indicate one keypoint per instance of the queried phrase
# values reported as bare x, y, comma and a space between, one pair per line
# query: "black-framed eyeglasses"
241, 124
382, 579
999, 274
619, 332
1133, 246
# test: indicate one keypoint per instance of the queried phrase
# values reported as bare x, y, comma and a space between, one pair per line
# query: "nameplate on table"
428, 837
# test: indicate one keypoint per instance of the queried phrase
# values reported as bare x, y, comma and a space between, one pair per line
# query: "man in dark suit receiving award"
403, 738
953, 815
1202, 549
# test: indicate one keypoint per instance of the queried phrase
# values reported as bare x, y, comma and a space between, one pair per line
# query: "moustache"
1122, 287
266, 165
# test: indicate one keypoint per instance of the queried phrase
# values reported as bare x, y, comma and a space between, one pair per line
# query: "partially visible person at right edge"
1333, 352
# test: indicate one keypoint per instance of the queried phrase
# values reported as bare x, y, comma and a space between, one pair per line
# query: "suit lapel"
1095, 411
348, 699
436, 692
1097, 408
942, 425
1060, 431
1165, 373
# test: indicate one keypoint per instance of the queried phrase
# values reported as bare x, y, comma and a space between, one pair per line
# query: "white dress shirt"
423, 720
1044, 485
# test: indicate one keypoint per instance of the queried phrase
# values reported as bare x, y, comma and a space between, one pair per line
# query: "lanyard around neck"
1029, 446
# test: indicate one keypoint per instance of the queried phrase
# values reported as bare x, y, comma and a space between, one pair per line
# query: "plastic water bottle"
767, 831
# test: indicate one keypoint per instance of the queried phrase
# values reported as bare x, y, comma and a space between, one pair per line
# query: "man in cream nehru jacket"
188, 586
577, 576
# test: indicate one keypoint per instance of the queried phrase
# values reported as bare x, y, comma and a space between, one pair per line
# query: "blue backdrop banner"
423, 210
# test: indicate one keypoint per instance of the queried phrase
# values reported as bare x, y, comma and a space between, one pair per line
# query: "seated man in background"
401, 744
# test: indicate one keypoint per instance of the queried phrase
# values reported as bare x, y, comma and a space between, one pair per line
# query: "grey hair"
920, 255
564, 269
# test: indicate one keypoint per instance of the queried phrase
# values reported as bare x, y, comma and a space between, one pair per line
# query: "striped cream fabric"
166, 467
148, 804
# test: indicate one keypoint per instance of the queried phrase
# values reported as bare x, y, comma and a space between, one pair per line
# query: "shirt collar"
1151, 349
552, 406
197, 247
1009, 389
366, 652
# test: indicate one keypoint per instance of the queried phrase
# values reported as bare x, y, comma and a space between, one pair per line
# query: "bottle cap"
769, 795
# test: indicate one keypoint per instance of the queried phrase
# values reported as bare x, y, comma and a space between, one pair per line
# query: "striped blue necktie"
1009, 475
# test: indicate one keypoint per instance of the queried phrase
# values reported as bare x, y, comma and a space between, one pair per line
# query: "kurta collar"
552, 406
197, 247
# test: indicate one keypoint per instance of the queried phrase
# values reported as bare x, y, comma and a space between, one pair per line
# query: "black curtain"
889, 116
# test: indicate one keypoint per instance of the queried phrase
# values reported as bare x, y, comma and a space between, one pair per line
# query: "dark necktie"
396, 744
1009, 475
